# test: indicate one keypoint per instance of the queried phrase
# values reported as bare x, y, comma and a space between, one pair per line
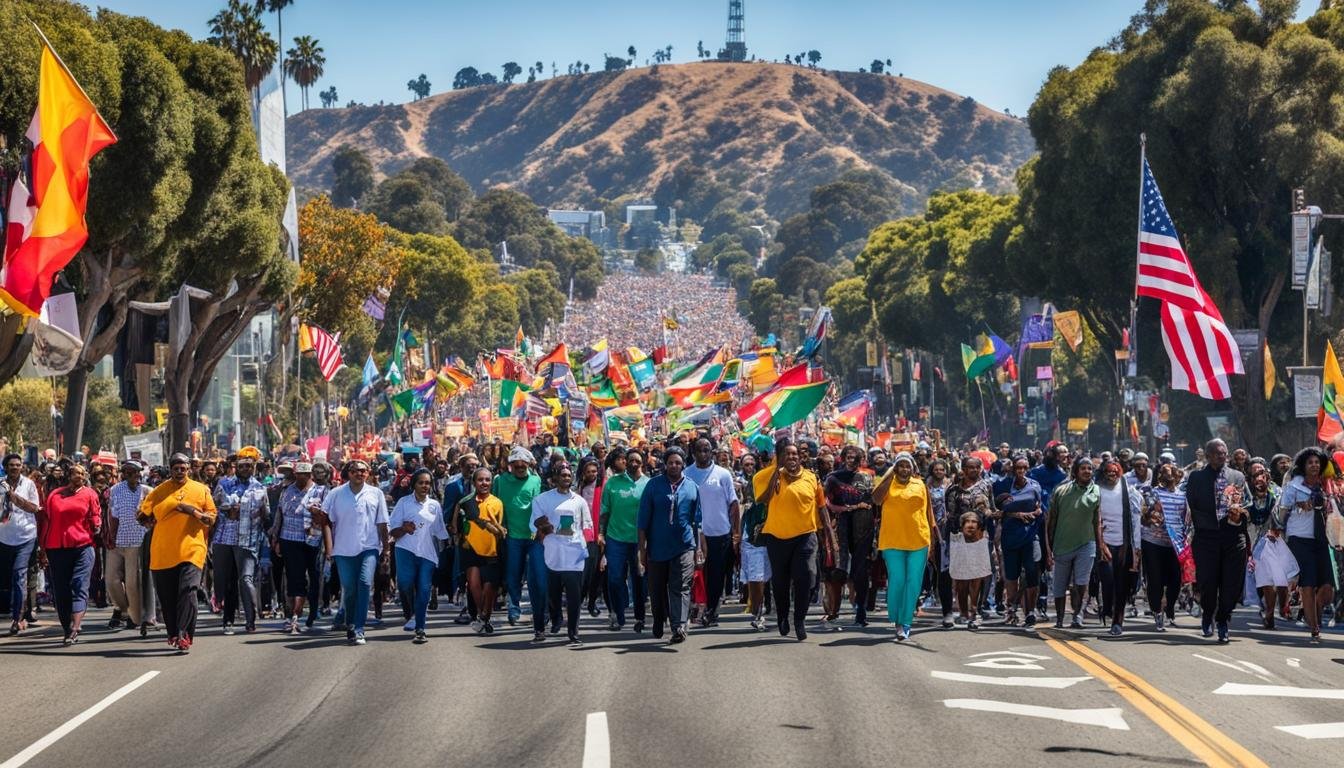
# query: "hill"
773, 130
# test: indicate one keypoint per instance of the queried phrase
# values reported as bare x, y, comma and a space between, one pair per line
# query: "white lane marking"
1008, 662
1222, 663
1314, 730
596, 743
1294, 662
1022, 682
1010, 653
1110, 717
69, 725
1286, 691
1256, 668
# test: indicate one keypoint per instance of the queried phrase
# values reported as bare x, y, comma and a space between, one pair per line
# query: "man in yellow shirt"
180, 511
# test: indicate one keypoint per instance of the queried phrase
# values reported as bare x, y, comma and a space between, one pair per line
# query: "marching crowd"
662, 535
629, 310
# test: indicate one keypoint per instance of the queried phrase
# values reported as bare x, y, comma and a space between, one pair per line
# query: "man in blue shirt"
1049, 473
242, 504
669, 535
1018, 499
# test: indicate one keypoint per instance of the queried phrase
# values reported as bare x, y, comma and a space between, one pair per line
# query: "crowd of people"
661, 536
630, 310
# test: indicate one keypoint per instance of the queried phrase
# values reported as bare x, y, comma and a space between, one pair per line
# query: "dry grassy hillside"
770, 129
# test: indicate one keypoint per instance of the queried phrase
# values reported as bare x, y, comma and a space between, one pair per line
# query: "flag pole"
1134, 301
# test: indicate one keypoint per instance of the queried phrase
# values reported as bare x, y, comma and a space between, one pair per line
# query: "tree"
700, 49
466, 77
488, 78
631, 53
539, 68
345, 257
352, 176
304, 63
876, 67
649, 261
539, 297
511, 70
329, 97
421, 198
763, 305
1235, 106
276, 6
419, 86
613, 64
238, 29
531, 74
813, 57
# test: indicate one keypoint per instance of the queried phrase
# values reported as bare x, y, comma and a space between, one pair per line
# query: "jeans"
854, 531
523, 556
905, 573
1162, 571
1220, 571
356, 585
70, 571
670, 590
623, 578
14, 574
571, 582
235, 576
718, 563
415, 584
124, 583
177, 594
793, 563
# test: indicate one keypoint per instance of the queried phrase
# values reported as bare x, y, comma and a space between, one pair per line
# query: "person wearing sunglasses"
357, 515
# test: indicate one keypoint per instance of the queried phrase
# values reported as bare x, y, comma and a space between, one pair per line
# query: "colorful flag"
1202, 350
603, 395
596, 361
853, 408
1329, 423
325, 346
370, 373
558, 355
787, 406
659, 354
757, 409
19, 216
376, 306
458, 375
66, 132
643, 373
817, 333
403, 403
511, 396
1070, 326
978, 359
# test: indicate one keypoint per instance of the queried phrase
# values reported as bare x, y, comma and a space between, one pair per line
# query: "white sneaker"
825, 626
359, 638
477, 625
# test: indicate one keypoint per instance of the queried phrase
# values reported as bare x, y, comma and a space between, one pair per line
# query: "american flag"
1202, 351
328, 351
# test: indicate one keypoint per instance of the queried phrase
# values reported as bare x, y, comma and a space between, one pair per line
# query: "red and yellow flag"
66, 133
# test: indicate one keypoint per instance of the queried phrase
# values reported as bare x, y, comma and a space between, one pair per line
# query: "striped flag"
1202, 351
326, 347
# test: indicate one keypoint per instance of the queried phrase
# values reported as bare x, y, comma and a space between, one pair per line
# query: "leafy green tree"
763, 305
352, 176
304, 62
511, 70
407, 203
419, 86
466, 77
329, 97
25, 413
876, 67
451, 191
631, 53
813, 57
649, 261
613, 64
539, 297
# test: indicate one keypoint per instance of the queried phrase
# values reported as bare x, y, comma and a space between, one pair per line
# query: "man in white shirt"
18, 536
562, 515
721, 524
357, 515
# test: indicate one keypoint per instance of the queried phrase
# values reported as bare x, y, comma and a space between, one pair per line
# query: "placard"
149, 446
1306, 390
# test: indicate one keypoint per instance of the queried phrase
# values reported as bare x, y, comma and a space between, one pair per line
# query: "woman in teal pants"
903, 538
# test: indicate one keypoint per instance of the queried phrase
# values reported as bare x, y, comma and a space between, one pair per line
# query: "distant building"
589, 224
640, 214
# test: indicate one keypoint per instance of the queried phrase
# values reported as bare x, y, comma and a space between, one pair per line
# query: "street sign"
1302, 225
1248, 342
1306, 390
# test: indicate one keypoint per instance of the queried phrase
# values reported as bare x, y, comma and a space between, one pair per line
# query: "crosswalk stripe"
1283, 691
1110, 717
1020, 682
1314, 730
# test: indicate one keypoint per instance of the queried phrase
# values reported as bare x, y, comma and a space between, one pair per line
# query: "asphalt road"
728, 696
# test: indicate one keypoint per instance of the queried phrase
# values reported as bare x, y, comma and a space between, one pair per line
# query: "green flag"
796, 403
509, 392
404, 403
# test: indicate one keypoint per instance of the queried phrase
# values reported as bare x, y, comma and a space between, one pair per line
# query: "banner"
146, 446
1306, 390
1070, 326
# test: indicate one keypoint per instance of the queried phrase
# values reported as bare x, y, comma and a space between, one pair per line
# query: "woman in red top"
69, 524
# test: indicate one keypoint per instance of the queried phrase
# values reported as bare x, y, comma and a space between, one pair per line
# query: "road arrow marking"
1021, 682
1110, 717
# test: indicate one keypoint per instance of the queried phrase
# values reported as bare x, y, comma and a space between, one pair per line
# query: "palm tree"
304, 63
238, 29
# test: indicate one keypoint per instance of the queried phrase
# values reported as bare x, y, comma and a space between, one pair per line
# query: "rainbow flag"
1328, 419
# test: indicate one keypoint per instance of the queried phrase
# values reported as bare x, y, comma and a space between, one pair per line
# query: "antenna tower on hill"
736, 48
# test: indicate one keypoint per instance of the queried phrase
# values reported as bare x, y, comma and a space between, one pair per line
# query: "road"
728, 696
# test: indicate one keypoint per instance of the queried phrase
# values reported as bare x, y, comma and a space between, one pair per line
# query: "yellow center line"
1191, 731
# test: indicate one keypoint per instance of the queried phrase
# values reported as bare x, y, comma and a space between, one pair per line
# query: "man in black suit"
1215, 497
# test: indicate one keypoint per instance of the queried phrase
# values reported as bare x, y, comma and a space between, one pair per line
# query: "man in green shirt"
620, 538
516, 489
1072, 533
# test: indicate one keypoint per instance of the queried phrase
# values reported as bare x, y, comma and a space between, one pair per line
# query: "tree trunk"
1258, 433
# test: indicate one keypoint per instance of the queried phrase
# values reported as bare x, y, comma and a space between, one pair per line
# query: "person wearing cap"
905, 532
241, 501
516, 489
124, 561
19, 507
181, 511
298, 540
356, 515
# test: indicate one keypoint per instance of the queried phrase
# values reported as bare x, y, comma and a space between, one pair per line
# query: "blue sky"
996, 51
